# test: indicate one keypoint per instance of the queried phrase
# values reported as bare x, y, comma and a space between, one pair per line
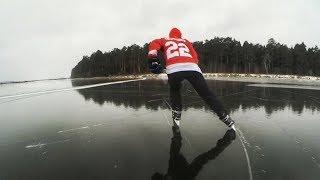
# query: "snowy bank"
266, 78
255, 78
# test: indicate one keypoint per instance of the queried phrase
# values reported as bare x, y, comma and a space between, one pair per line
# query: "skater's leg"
174, 80
199, 84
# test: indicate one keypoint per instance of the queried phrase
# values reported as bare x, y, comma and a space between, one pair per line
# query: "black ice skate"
229, 122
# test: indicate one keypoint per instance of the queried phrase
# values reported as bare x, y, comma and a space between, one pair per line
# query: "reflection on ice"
233, 94
180, 168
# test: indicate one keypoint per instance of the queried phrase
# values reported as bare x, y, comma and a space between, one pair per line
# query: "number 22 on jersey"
175, 50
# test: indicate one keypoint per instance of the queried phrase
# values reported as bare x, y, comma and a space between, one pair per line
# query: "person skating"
181, 61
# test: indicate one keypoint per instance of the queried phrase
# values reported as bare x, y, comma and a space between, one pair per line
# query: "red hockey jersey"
176, 49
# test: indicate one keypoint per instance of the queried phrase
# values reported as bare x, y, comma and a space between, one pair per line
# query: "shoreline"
252, 78
256, 78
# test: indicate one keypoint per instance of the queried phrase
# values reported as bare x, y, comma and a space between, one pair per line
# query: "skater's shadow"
179, 168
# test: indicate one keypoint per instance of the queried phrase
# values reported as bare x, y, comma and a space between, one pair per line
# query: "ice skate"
229, 122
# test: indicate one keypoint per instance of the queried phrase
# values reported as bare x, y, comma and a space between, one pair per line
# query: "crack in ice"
242, 140
67, 89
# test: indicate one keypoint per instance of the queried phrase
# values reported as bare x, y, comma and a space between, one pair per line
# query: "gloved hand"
155, 66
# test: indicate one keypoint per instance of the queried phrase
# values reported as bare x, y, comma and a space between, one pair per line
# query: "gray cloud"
45, 39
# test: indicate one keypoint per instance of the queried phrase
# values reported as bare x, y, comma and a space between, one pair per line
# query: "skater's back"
179, 53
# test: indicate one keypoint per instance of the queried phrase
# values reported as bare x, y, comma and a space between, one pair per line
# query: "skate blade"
177, 123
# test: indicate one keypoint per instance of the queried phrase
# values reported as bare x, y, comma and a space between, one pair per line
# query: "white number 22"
175, 50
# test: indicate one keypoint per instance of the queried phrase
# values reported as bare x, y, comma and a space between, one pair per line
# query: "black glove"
155, 66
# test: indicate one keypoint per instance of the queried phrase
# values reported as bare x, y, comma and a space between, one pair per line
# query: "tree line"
219, 55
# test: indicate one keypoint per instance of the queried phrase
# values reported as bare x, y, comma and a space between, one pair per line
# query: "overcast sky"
46, 39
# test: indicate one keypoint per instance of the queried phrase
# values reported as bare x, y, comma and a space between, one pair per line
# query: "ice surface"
124, 131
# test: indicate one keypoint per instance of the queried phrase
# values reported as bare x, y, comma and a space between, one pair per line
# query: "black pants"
199, 84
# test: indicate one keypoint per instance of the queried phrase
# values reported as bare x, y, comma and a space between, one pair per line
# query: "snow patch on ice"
74, 129
265, 78
40, 145
257, 78
286, 86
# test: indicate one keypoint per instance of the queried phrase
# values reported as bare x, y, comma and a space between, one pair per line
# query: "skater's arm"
153, 61
154, 47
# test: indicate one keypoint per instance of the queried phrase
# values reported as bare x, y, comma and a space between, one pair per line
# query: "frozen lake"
70, 130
